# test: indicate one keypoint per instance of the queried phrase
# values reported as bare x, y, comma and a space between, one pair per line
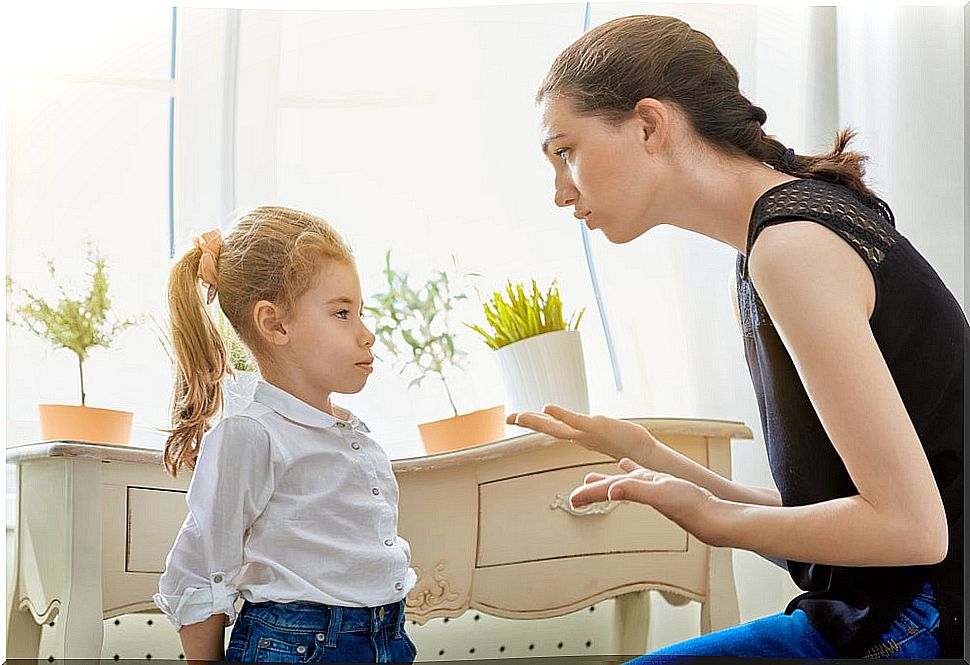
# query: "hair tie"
787, 158
210, 243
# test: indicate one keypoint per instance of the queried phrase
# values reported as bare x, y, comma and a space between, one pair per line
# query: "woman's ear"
269, 323
653, 117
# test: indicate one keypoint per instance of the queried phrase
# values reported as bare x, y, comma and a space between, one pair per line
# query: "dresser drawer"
523, 519
154, 519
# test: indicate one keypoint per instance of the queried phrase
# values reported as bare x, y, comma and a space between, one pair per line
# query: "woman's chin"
620, 235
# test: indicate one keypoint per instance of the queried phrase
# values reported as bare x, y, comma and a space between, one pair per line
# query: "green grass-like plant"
76, 323
412, 324
516, 315
240, 359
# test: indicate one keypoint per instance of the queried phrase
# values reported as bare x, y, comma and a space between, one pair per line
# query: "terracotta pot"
468, 429
84, 423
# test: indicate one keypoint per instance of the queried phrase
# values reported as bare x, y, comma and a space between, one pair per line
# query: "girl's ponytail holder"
210, 243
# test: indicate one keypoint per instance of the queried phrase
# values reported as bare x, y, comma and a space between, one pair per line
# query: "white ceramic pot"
547, 368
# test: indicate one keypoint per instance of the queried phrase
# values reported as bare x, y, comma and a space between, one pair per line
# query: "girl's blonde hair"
271, 254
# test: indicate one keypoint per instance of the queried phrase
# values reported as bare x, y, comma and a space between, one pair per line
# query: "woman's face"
609, 174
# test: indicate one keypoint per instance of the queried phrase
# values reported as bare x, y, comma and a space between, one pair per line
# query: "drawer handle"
599, 508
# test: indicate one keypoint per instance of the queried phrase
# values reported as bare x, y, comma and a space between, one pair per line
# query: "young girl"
292, 505
854, 345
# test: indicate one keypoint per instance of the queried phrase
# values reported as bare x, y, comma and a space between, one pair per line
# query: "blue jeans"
792, 636
315, 633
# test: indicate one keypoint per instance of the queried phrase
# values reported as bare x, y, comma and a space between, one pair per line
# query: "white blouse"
287, 503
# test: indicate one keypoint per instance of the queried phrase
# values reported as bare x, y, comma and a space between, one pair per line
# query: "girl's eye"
343, 313
562, 153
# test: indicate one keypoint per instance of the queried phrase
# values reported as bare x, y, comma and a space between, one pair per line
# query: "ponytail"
838, 165
202, 364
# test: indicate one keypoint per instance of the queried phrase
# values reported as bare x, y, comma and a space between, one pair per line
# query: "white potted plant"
79, 324
412, 324
540, 353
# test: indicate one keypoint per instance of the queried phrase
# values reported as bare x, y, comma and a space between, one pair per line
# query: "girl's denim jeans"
911, 635
314, 633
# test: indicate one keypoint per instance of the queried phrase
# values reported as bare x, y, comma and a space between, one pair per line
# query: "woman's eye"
562, 153
343, 313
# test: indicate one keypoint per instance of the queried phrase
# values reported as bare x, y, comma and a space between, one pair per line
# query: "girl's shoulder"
242, 431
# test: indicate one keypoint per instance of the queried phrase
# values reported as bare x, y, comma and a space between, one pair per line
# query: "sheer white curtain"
415, 130
88, 104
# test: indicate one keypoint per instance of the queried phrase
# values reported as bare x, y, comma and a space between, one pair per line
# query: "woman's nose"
566, 193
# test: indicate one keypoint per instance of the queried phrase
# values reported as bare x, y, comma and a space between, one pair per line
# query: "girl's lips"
367, 367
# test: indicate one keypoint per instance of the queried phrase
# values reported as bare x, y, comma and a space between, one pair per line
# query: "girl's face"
329, 343
609, 174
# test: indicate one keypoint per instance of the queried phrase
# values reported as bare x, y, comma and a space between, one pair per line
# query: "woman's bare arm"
622, 438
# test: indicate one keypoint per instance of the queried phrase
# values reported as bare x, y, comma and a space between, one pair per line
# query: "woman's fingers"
626, 465
540, 422
574, 419
629, 465
630, 489
634, 486
590, 492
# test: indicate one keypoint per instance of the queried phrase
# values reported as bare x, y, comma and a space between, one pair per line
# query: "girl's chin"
352, 387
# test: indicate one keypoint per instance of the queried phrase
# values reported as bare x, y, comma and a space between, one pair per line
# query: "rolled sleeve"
232, 483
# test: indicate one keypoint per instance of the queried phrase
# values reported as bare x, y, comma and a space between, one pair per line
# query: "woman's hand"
690, 506
616, 438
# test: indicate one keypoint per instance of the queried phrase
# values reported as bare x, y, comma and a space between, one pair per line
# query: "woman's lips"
367, 367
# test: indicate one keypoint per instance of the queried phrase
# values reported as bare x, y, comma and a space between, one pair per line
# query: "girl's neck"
303, 390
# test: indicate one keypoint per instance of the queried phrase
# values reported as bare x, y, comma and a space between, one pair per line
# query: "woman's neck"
717, 193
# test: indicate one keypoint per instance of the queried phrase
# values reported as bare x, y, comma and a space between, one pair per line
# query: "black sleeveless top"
922, 333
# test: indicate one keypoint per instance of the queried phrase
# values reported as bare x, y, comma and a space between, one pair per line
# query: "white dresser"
490, 528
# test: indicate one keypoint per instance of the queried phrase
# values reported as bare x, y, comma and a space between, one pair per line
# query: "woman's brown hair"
609, 69
271, 254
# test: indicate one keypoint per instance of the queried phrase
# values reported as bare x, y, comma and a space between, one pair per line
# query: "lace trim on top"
866, 223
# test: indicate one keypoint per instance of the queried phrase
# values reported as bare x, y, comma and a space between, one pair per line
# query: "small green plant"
240, 359
413, 325
77, 323
524, 315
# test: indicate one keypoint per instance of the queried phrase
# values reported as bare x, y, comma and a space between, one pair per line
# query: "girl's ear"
269, 323
653, 117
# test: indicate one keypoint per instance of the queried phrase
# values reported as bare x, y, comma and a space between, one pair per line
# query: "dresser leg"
631, 623
720, 610
23, 633
80, 625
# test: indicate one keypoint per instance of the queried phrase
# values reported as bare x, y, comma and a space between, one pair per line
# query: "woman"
854, 345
